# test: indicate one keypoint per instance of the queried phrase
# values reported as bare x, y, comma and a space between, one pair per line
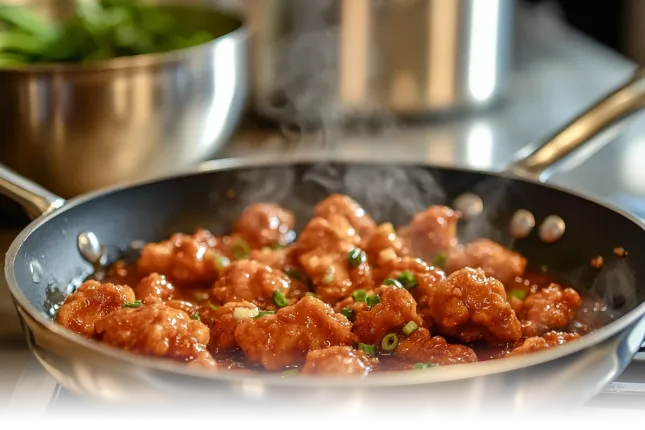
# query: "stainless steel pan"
44, 259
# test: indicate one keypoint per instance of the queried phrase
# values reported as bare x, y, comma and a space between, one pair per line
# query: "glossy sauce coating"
343, 297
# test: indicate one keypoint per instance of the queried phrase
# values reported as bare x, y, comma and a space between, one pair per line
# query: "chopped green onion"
359, 295
410, 328
367, 349
240, 250
291, 372
196, 317
263, 313
293, 274
200, 297
241, 313
440, 259
279, 299
420, 366
373, 300
328, 277
133, 305
348, 313
356, 257
212, 307
389, 342
221, 263
275, 246
393, 283
311, 294
408, 280
518, 294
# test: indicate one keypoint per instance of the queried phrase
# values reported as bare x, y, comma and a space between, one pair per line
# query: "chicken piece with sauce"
431, 233
265, 225
470, 306
391, 309
339, 361
342, 205
423, 348
329, 254
283, 339
417, 277
251, 281
156, 330
495, 260
91, 302
551, 308
186, 260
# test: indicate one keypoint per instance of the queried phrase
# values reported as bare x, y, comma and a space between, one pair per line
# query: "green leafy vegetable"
98, 30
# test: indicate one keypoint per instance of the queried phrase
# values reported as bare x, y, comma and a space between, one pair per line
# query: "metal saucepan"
45, 257
75, 128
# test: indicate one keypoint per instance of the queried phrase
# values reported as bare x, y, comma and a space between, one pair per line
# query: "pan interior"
48, 264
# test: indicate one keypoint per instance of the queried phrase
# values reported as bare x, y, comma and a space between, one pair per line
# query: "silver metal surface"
90, 247
522, 224
552, 229
470, 205
320, 59
35, 199
75, 128
622, 102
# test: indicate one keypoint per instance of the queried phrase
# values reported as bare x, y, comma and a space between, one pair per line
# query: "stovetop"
622, 400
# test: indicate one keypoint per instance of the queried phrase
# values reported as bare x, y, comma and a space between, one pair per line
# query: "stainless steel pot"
75, 128
318, 59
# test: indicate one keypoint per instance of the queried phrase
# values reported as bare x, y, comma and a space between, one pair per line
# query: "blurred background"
95, 93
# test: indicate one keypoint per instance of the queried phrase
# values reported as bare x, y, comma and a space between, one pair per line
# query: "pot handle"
35, 199
620, 103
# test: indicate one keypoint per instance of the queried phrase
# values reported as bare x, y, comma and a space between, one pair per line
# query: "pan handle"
35, 199
623, 101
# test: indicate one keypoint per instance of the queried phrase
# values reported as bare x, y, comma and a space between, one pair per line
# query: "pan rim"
384, 379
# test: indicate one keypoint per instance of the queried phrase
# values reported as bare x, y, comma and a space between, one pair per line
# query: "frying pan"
45, 259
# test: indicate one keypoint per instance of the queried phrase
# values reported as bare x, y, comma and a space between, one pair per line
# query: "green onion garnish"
440, 259
240, 250
373, 300
359, 295
410, 328
389, 342
200, 297
212, 307
518, 294
393, 283
348, 313
293, 274
263, 313
328, 277
408, 280
290, 372
221, 263
419, 366
277, 246
355, 257
279, 299
133, 305
367, 349
196, 317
